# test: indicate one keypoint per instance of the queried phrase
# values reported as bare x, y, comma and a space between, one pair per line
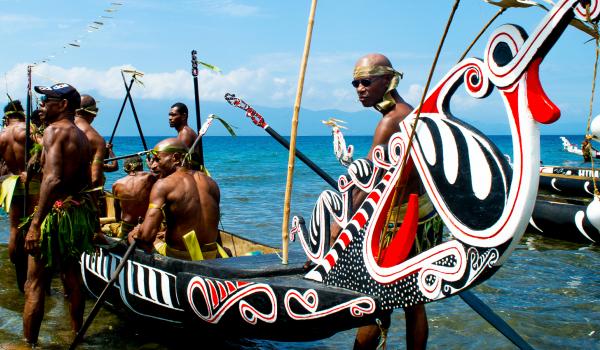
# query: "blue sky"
258, 46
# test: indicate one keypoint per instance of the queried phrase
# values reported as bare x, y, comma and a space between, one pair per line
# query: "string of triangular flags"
97, 24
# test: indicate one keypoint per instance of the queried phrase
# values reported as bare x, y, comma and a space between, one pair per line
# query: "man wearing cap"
12, 153
375, 81
84, 116
131, 194
187, 200
63, 225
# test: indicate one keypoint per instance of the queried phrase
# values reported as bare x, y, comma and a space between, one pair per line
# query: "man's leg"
367, 337
35, 287
16, 243
73, 284
417, 328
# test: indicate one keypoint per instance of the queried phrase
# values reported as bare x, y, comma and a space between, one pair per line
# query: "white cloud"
413, 94
254, 84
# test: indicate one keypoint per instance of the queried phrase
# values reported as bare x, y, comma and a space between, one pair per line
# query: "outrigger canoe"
568, 181
563, 218
246, 295
484, 202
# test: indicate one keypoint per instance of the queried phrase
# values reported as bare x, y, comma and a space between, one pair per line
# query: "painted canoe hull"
570, 171
562, 220
568, 181
252, 296
567, 185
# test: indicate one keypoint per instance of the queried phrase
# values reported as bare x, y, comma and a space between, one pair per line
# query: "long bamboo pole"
292, 153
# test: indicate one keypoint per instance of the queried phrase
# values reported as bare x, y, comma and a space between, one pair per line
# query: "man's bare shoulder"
89, 131
170, 182
401, 110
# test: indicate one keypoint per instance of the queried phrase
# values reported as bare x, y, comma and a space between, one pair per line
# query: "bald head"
373, 59
170, 145
168, 156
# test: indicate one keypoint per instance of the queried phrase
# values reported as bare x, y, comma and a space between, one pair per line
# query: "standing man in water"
375, 81
12, 153
178, 119
66, 159
84, 116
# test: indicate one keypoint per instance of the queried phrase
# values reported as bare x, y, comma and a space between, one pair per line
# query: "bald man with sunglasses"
375, 81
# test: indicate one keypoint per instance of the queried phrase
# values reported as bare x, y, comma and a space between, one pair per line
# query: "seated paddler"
184, 201
131, 197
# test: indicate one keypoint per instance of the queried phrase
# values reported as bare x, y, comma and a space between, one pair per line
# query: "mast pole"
197, 103
291, 157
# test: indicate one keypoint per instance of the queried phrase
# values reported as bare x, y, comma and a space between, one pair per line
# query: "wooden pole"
197, 105
291, 157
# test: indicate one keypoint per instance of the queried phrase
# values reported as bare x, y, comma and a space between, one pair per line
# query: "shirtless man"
66, 159
375, 82
178, 119
12, 153
84, 116
132, 194
189, 203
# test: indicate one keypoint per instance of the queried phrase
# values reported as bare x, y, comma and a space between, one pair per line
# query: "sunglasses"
45, 98
364, 82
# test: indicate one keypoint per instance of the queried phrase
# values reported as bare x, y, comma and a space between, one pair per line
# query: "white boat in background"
571, 148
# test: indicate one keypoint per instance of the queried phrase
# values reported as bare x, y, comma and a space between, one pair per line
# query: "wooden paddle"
88, 321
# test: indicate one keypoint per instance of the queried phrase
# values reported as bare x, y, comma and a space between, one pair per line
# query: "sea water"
548, 290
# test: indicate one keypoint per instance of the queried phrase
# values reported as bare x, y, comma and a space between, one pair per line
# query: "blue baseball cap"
61, 91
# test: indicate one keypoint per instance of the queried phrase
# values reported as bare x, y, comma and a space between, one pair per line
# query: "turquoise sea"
548, 290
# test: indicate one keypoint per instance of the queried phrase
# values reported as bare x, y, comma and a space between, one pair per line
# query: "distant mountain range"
153, 115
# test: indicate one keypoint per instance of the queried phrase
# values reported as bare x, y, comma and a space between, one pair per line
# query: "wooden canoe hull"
567, 185
562, 220
252, 296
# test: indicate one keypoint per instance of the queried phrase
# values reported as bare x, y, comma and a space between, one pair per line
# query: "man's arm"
98, 145
112, 166
50, 188
154, 215
116, 201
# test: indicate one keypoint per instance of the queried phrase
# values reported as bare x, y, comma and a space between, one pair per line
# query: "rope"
395, 198
485, 27
383, 335
589, 121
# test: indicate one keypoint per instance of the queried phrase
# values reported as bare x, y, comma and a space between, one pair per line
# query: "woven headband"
7, 114
91, 110
168, 149
387, 102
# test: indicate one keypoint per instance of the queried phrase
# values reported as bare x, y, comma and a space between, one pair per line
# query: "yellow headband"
9, 113
167, 148
369, 71
91, 110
